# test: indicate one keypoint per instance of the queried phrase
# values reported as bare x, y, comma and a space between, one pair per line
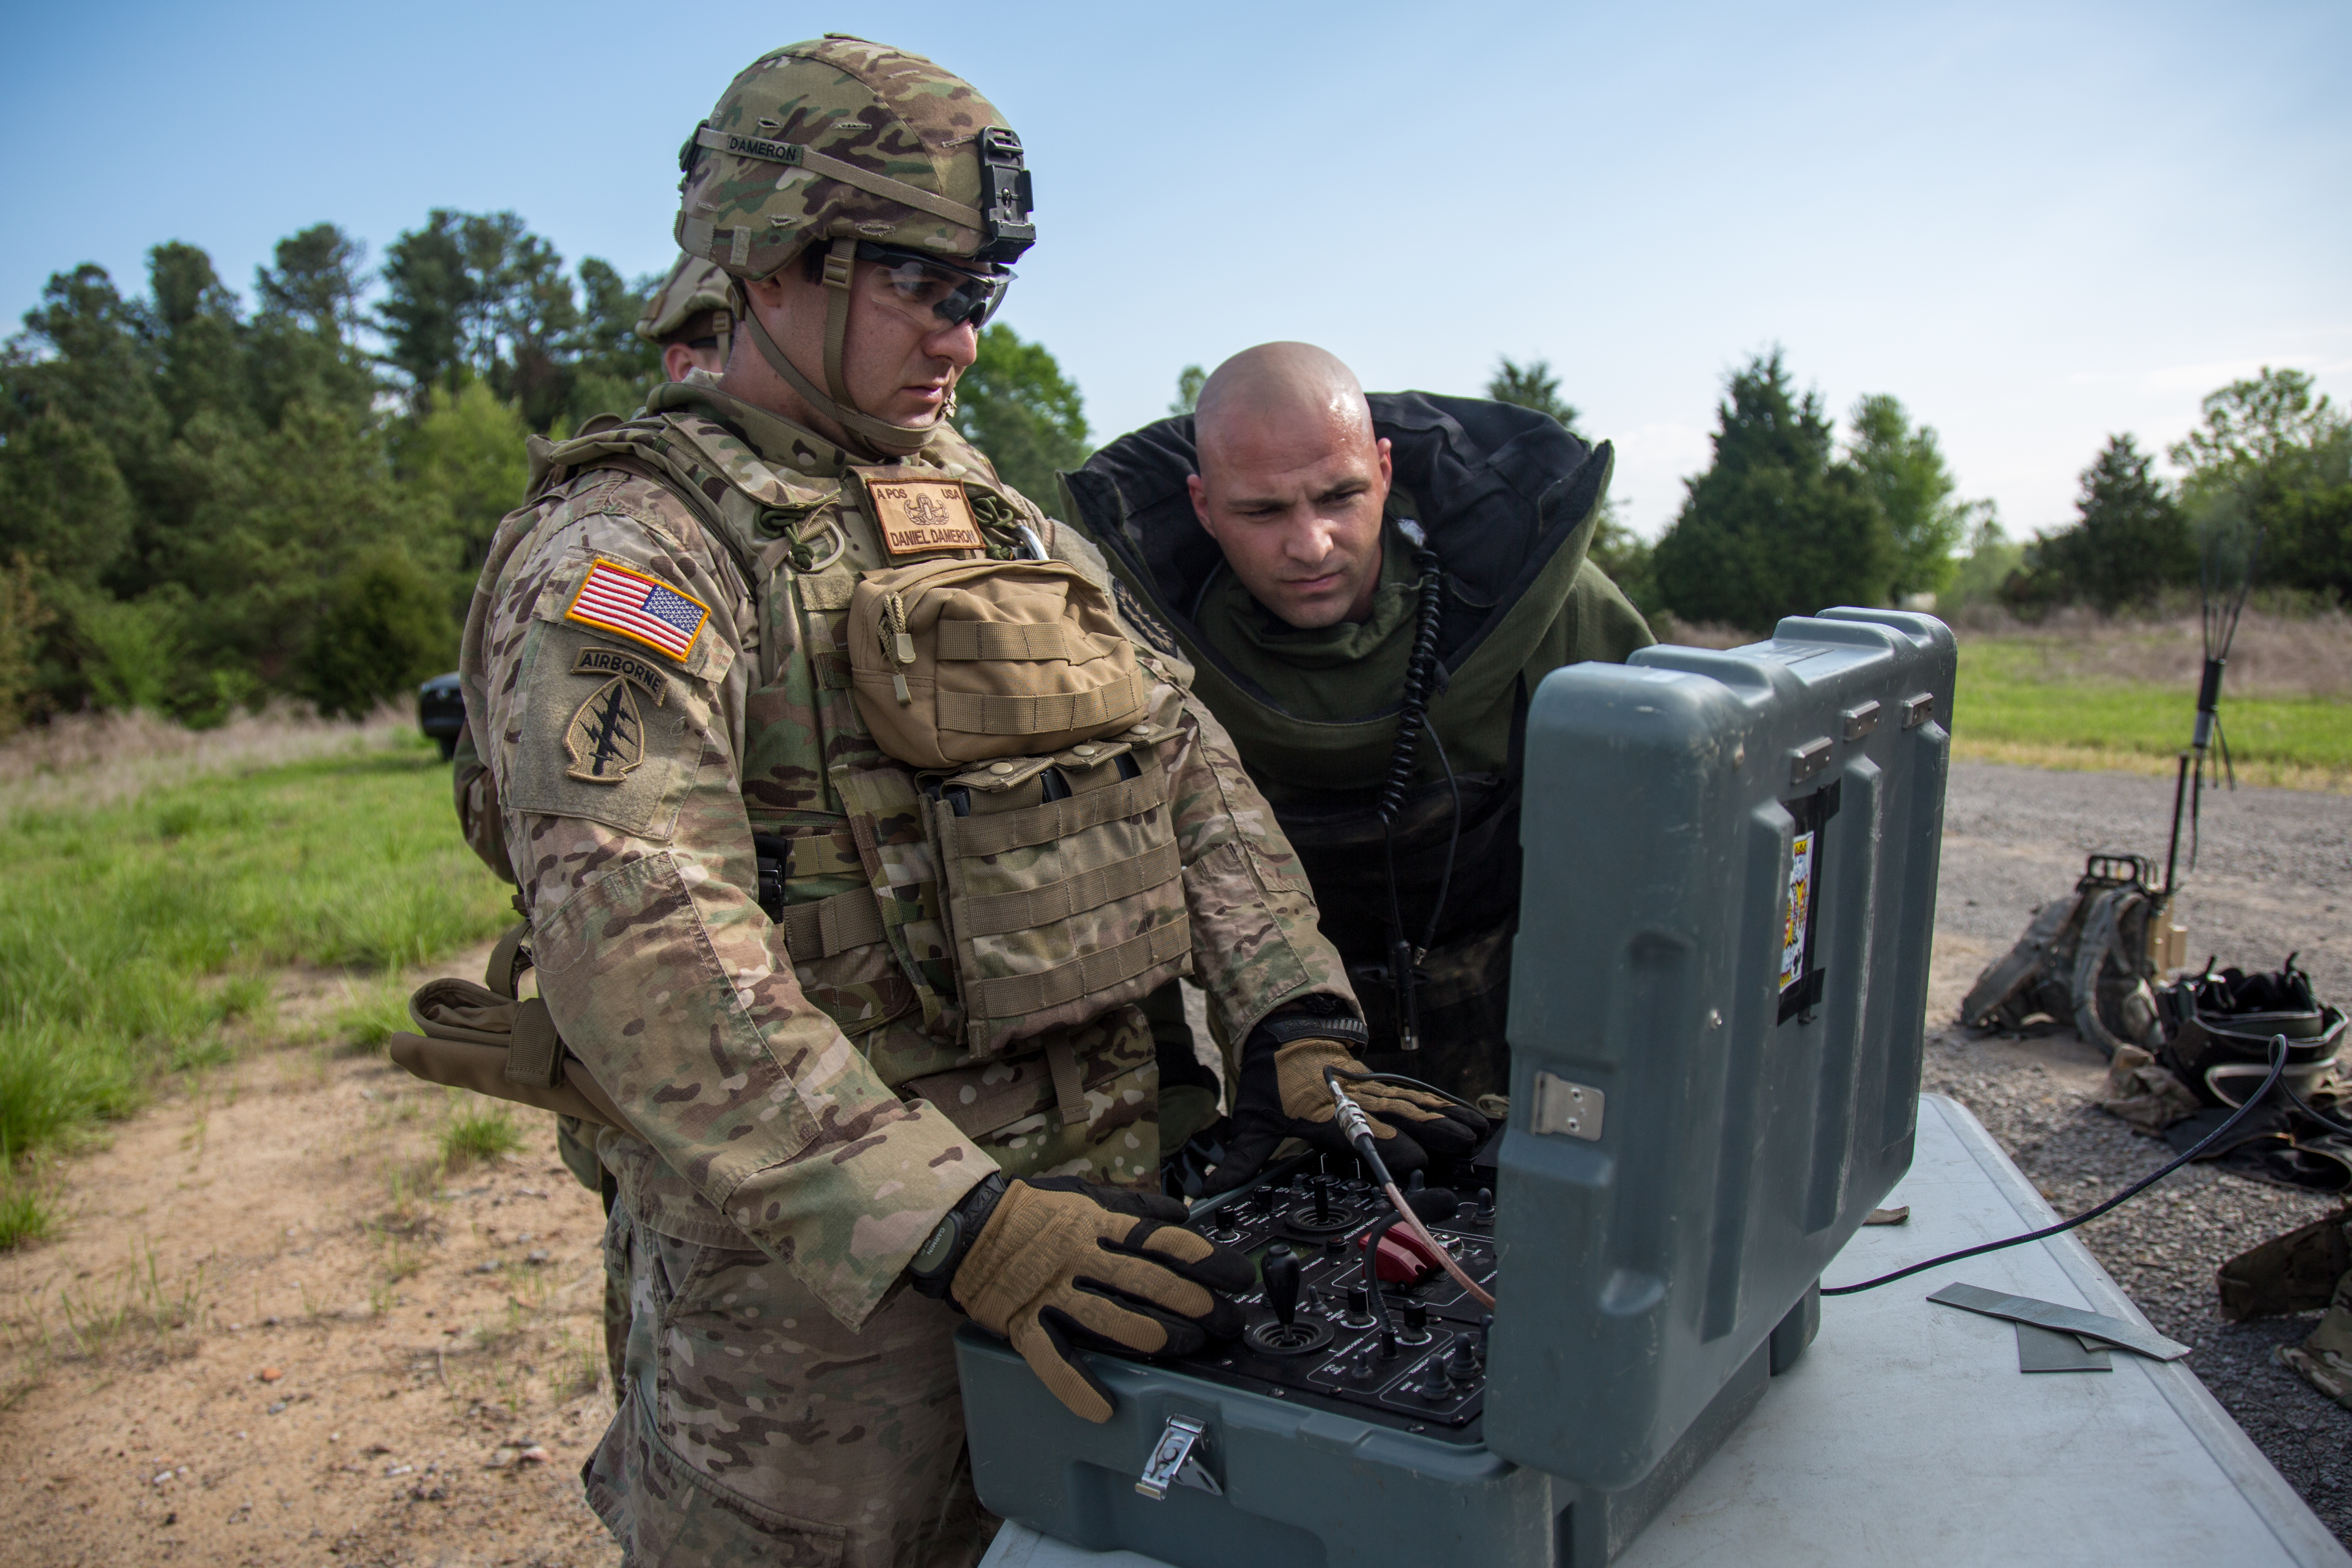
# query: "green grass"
25, 1214
2007, 705
133, 935
479, 1132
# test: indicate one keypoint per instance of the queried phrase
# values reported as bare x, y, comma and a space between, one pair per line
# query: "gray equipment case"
1718, 1004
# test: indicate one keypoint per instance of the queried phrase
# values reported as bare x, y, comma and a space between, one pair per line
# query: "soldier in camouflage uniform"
689, 318
819, 1158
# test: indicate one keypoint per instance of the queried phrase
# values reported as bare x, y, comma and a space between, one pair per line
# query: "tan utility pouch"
953, 662
474, 1038
1060, 908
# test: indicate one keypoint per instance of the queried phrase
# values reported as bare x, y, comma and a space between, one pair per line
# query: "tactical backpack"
2089, 959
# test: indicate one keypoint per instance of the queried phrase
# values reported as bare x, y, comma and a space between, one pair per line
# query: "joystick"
1282, 1277
1287, 1335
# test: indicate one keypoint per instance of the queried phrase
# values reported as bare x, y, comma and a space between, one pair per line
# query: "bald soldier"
1372, 589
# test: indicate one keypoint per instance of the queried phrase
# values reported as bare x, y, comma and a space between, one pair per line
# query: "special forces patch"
606, 737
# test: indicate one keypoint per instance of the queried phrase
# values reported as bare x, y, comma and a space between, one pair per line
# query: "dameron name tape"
917, 516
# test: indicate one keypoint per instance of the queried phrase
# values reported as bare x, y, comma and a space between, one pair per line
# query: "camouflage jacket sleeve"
1255, 944
478, 818
616, 767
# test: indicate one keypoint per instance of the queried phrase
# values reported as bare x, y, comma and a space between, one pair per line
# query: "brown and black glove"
1282, 1095
1061, 1263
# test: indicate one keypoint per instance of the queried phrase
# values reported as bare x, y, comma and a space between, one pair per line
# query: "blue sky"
2034, 224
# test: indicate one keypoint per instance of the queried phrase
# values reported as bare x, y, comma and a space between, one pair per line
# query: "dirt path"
435, 1333
275, 1330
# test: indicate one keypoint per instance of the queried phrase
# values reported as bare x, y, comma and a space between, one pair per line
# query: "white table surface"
1907, 1435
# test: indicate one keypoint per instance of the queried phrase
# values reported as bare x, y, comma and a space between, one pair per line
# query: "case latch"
1176, 1461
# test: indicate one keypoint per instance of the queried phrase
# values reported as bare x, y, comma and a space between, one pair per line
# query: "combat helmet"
694, 288
847, 143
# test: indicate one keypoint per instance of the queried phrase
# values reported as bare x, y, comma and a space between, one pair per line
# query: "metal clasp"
1176, 1461
1561, 1107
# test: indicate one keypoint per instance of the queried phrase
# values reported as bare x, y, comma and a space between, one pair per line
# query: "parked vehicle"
441, 711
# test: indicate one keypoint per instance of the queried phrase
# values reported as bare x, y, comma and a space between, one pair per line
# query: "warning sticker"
1801, 895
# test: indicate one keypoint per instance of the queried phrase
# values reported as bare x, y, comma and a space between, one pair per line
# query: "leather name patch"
919, 516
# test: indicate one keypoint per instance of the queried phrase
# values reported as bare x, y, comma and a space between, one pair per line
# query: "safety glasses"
926, 287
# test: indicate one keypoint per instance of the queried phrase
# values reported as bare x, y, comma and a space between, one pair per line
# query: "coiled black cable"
1420, 665
1412, 719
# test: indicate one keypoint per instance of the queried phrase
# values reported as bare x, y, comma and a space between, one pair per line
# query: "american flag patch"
641, 608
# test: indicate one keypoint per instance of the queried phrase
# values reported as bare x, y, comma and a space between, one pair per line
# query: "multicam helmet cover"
693, 287
842, 142
846, 139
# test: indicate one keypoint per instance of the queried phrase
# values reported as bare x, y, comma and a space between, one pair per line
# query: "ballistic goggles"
934, 291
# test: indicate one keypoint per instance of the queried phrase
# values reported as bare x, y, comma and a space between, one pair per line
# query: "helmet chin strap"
896, 440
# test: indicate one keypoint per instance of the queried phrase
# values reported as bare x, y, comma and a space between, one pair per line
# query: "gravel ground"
2276, 875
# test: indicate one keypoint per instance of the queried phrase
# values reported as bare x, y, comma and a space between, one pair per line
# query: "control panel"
1351, 1311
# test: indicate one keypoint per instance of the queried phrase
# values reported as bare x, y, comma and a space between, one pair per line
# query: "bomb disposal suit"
1485, 588
851, 829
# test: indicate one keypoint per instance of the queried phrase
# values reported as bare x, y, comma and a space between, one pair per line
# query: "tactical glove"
1282, 1095
1063, 1263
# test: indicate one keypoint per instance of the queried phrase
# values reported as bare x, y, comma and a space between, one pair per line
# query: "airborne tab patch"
645, 609
921, 516
635, 669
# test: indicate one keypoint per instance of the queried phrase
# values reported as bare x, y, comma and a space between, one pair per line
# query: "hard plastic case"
1718, 1006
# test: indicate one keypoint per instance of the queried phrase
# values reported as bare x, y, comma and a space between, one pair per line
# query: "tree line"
208, 501
1789, 517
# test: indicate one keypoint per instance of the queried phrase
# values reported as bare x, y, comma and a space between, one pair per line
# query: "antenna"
2218, 610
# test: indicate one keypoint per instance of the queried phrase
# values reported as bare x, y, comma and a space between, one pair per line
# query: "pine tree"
1776, 526
2130, 540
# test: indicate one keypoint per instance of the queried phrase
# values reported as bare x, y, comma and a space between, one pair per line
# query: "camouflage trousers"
754, 1428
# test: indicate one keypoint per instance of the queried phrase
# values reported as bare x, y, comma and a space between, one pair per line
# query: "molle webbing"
994, 914
1046, 713
981, 836
1024, 640
1060, 908
1090, 974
